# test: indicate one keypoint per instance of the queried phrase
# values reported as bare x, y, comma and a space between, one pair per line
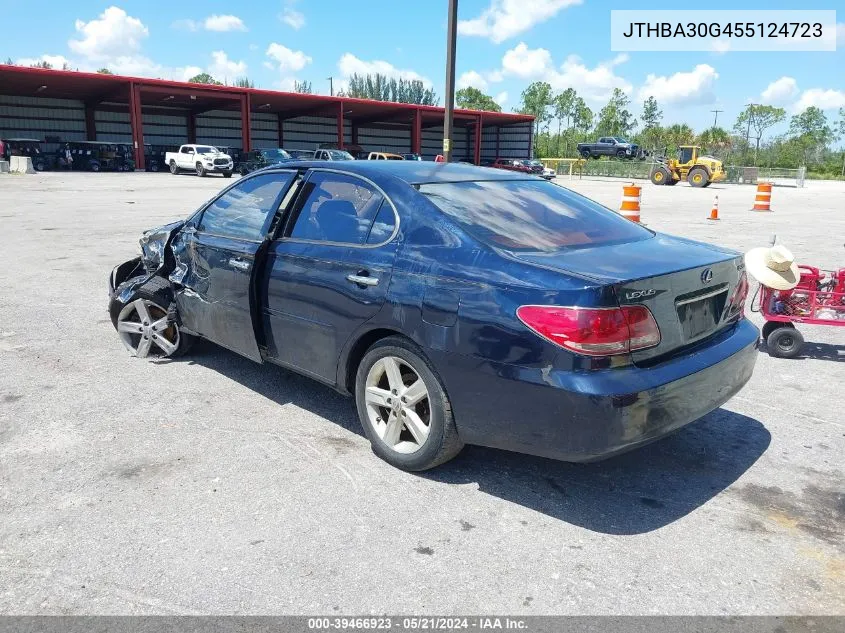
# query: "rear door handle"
238, 263
362, 280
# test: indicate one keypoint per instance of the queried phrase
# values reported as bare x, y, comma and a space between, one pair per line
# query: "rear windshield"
528, 215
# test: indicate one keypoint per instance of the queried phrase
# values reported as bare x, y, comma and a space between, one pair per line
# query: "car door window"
242, 211
336, 208
383, 225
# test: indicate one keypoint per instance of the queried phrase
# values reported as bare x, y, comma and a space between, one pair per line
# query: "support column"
137, 125
416, 133
90, 123
478, 124
246, 122
531, 143
340, 125
281, 130
192, 127
355, 134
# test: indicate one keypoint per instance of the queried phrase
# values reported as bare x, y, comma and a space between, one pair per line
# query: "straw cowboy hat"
773, 267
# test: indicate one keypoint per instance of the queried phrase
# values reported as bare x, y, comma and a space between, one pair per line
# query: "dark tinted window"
337, 208
524, 215
243, 209
383, 225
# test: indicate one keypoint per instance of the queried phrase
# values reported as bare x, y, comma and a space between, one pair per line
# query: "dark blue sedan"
458, 304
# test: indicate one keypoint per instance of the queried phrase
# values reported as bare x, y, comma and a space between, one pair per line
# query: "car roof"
413, 172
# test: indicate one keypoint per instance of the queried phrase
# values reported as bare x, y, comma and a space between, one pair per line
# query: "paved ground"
214, 485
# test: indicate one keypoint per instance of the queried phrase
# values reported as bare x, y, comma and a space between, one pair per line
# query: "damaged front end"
156, 259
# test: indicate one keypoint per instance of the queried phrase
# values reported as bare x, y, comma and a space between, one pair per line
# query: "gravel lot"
214, 485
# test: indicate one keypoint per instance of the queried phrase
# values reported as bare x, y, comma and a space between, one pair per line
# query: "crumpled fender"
156, 259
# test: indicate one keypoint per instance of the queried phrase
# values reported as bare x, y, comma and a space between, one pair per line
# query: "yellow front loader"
697, 170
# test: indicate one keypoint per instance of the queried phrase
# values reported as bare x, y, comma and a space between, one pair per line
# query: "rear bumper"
586, 416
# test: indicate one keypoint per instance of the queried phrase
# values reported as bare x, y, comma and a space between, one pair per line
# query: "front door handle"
362, 280
238, 263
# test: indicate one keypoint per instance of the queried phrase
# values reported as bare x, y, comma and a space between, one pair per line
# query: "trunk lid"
685, 284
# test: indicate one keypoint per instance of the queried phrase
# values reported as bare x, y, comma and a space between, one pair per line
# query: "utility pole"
750, 107
331, 85
451, 40
716, 117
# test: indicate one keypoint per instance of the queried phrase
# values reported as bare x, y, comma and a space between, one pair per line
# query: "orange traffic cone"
630, 208
763, 199
714, 212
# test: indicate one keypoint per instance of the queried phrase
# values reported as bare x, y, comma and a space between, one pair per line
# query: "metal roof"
96, 88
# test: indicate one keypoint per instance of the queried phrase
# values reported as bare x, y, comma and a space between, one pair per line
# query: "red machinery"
818, 299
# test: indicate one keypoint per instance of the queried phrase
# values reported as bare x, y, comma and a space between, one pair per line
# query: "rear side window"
336, 208
530, 216
242, 211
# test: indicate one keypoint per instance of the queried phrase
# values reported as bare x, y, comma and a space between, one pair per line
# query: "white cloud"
820, 98
185, 25
525, 62
501, 98
222, 68
114, 34
682, 88
56, 61
720, 46
594, 84
504, 19
780, 91
350, 65
286, 59
223, 23
471, 79
293, 18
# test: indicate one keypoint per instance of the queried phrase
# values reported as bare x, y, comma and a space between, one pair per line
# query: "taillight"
593, 331
736, 304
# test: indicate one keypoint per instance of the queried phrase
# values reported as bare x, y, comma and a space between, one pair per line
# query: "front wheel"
620, 153
660, 176
785, 342
200, 170
173, 168
154, 166
227, 174
95, 167
144, 324
404, 408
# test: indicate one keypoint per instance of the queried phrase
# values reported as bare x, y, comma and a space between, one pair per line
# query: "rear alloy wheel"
785, 342
200, 170
585, 153
95, 167
698, 177
403, 407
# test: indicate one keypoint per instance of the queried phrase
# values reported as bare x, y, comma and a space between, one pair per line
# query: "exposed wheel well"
356, 353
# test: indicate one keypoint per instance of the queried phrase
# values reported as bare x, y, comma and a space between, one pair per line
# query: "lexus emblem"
706, 276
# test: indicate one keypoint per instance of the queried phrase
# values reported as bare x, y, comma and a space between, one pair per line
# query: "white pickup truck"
203, 159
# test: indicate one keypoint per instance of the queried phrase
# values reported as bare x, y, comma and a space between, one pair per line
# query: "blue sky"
503, 46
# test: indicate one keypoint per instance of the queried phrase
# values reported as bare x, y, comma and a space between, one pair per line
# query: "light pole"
451, 39
331, 86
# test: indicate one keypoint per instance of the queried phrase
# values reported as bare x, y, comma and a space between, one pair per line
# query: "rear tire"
414, 434
154, 166
95, 167
585, 153
697, 177
201, 170
785, 342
